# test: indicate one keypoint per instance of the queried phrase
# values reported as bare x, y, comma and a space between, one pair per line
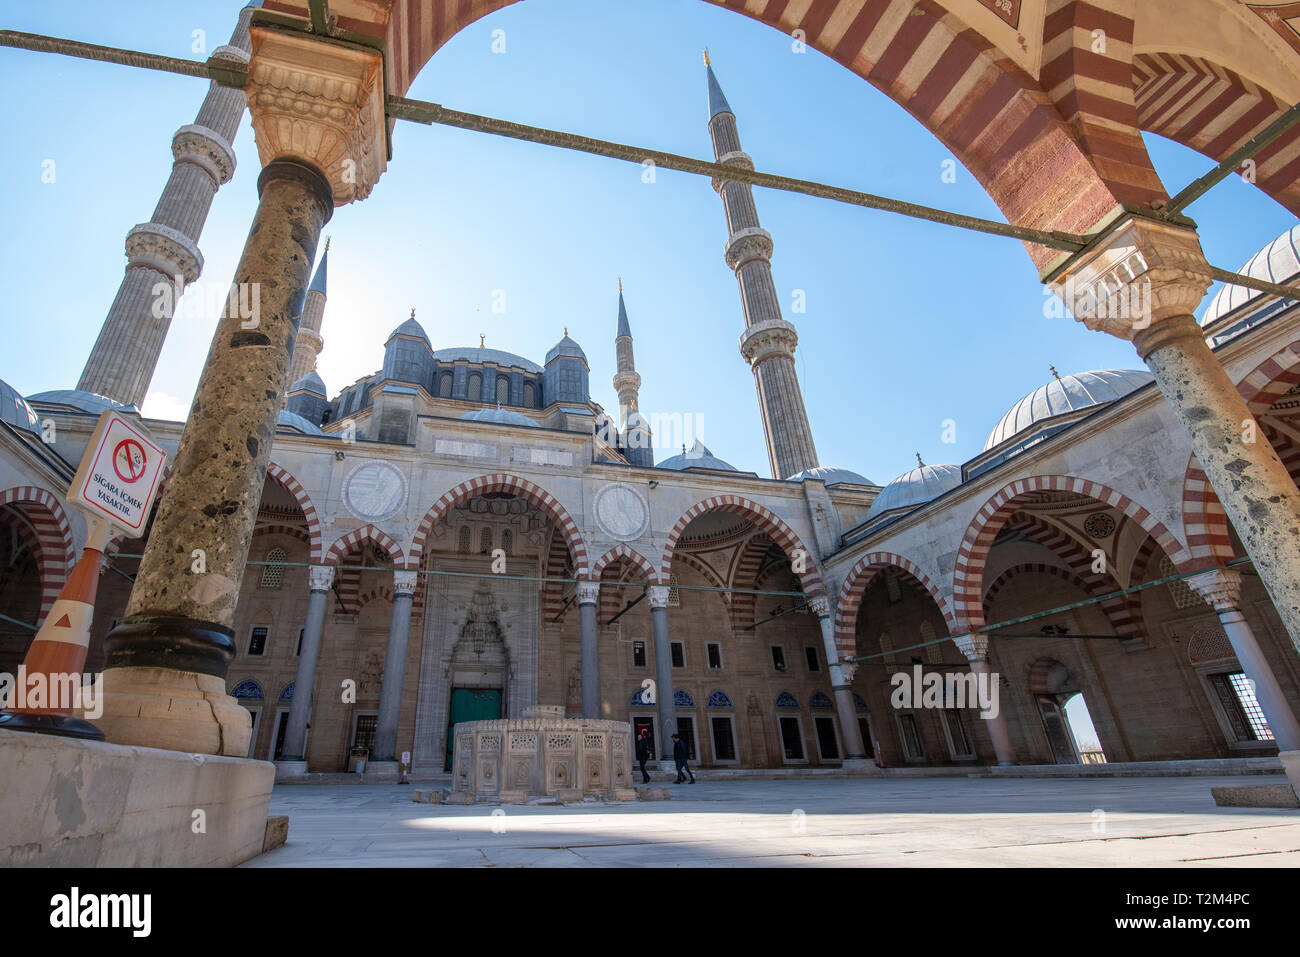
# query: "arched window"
507, 539
273, 570
933, 652
485, 541
462, 545
530, 395
503, 390
475, 391
444, 385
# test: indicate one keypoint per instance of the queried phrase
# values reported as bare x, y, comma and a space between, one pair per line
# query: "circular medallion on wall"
1099, 525
374, 490
621, 512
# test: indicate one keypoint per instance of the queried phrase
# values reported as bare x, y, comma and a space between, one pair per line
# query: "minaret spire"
768, 343
310, 342
636, 432
165, 249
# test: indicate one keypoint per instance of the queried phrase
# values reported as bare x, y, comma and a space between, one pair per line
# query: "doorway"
470, 704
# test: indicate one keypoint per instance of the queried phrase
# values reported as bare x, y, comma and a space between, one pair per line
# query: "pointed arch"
50, 525
291, 485
632, 557
854, 588
347, 543
513, 484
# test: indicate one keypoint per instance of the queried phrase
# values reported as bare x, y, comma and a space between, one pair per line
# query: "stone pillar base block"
1291, 765
277, 832
569, 795
625, 794
667, 765
653, 794
459, 797
173, 711
429, 797
289, 769
863, 766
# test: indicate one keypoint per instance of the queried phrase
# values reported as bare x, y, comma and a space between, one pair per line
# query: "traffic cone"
59, 649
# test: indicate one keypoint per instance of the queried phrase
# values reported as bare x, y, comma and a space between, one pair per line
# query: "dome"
1277, 262
915, 488
410, 328
500, 416
565, 347
296, 422
15, 410
831, 476
699, 457
474, 354
310, 382
77, 399
1067, 394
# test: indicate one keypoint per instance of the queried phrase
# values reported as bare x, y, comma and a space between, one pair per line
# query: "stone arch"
968, 575
504, 482
366, 533
1205, 523
861, 575
764, 518
380, 593
50, 524
291, 485
629, 555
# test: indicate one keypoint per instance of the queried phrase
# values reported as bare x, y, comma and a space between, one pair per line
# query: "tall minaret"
309, 342
123, 359
769, 341
635, 430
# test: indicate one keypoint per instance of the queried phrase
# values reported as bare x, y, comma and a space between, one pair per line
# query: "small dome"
296, 423
831, 476
1068, 394
475, 354
15, 410
410, 328
79, 400
1279, 262
915, 488
565, 347
500, 416
699, 457
311, 382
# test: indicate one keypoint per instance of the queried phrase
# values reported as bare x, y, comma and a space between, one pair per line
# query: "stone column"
976, 650
664, 691
588, 596
319, 578
841, 679
1221, 587
390, 689
1141, 281
317, 110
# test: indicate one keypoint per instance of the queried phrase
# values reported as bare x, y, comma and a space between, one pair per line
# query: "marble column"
976, 650
1221, 587
588, 597
390, 688
664, 691
320, 578
841, 679
1141, 281
317, 110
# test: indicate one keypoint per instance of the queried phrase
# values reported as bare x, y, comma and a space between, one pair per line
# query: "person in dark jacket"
679, 755
643, 753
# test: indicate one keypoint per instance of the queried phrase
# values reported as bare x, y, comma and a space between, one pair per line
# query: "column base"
287, 768
1007, 764
861, 766
173, 710
667, 765
1291, 764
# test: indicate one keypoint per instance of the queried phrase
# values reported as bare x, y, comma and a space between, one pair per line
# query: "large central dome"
475, 354
1065, 395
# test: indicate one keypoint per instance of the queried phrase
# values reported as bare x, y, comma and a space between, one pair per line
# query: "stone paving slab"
945, 822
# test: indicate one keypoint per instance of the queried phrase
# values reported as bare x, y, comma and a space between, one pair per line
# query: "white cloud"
160, 405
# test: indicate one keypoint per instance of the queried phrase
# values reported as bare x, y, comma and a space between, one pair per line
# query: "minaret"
635, 430
768, 342
309, 342
125, 354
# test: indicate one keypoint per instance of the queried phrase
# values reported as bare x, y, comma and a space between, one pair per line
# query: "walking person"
679, 755
643, 753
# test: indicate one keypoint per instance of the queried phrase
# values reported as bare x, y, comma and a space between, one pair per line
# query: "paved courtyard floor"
954, 822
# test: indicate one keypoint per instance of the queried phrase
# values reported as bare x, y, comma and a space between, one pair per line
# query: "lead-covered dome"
79, 400
915, 488
1063, 396
831, 476
15, 410
476, 354
294, 422
1278, 262
500, 416
699, 457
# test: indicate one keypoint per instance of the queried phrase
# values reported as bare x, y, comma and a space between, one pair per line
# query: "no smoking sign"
119, 474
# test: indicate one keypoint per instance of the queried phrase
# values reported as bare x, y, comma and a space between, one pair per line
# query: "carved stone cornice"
1138, 274
320, 577
974, 647
1221, 587
752, 242
321, 103
767, 339
206, 149
168, 250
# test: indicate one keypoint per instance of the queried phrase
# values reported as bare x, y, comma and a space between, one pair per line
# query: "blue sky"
907, 323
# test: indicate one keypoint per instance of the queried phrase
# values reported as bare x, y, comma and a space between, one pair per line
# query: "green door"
471, 704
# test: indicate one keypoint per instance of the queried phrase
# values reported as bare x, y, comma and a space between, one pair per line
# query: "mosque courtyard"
919, 822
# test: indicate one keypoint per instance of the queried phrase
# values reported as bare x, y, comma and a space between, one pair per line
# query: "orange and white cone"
54, 662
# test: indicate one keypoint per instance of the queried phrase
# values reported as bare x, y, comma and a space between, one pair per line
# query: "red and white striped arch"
352, 541
294, 488
968, 577
856, 582
626, 553
50, 524
764, 518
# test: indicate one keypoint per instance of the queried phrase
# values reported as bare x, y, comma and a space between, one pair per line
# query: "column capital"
319, 102
320, 577
1221, 587
820, 605
1137, 273
404, 583
588, 593
658, 595
848, 669
974, 647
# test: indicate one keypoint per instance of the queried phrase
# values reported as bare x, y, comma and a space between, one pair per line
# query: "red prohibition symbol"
128, 460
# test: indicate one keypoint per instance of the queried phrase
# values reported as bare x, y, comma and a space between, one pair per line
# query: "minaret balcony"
752, 242
767, 339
